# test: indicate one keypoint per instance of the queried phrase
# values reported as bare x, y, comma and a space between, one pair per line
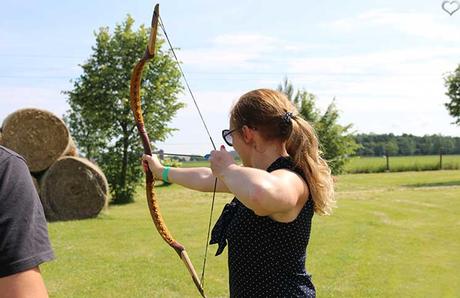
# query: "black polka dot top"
266, 258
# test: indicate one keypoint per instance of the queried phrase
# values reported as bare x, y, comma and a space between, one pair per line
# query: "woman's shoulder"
281, 162
285, 162
294, 184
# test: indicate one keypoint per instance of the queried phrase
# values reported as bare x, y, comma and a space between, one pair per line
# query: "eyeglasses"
227, 135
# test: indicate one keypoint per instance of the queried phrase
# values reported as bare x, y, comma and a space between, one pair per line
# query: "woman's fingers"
146, 157
220, 160
152, 163
145, 166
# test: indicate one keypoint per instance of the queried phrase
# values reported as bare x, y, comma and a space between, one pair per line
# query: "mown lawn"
392, 235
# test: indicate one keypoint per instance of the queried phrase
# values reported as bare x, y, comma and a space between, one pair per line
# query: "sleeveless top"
266, 258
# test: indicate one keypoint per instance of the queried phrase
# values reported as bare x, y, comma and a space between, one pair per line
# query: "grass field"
402, 163
392, 235
378, 164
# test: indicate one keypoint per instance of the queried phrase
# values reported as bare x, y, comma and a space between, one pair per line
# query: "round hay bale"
38, 135
71, 148
73, 188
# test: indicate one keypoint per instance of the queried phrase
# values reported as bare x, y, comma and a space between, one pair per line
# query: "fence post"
440, 159
388, 162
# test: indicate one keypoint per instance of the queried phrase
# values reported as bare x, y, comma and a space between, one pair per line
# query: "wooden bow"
135, 103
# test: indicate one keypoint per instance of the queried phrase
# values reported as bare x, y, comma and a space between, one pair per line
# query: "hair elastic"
287, 117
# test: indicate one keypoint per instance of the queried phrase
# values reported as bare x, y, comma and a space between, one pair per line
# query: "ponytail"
302, 146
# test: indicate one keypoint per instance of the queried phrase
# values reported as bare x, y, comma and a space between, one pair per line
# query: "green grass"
378, 164
402, 163
193, 164
392, 235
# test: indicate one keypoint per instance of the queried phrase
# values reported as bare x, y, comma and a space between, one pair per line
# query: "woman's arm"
200, 179
28, 283
265, 193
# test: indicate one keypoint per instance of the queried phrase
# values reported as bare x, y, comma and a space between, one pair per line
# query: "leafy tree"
336, 141
456, 148
391, 147
379, 148
100, 118
87, 135
443, 145
425, 146
406, 145
452, 82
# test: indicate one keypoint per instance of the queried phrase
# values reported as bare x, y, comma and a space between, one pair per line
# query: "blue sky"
383, 61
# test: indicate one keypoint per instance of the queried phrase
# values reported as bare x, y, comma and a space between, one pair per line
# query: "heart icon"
450, 6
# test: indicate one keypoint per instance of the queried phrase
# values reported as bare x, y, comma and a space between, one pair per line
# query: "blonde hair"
275, 117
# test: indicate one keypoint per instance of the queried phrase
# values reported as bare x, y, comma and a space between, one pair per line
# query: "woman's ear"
247, 133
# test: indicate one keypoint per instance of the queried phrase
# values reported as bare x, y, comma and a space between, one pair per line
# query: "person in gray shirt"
24, 242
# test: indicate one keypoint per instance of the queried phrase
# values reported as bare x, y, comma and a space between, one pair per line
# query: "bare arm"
200, 179
28, 283
263, 192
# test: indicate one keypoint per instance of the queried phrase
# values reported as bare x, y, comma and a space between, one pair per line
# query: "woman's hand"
154, 164
220, 161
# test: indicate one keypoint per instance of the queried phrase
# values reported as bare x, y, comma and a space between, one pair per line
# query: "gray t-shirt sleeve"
24, 242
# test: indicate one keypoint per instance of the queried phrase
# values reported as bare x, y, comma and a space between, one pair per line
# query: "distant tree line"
406, 144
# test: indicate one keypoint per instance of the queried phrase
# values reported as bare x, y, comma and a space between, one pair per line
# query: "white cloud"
377, 63
414, 73
388, 91
423, 25
242, 40
216, 57
242, 51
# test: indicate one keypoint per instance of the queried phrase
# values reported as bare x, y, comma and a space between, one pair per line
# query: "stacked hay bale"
70, 187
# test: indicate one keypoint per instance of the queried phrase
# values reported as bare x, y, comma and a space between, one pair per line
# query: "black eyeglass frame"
226, 133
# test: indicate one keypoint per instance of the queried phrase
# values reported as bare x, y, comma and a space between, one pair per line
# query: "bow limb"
135, 103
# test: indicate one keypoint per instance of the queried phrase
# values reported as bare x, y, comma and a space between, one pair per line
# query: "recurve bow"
135, 102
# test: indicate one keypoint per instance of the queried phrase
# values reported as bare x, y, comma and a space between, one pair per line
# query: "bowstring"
210, 138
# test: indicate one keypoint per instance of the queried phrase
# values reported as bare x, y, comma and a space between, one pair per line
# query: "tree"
406, 144
337, 143
391, 147
452, 82
425, 146
456, 146
100, 118
442, 145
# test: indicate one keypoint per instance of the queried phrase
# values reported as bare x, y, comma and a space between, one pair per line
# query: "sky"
382, 61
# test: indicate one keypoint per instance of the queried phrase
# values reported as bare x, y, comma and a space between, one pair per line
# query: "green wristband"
165, 174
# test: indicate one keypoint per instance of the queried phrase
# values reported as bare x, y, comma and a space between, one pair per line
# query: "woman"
282, 182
